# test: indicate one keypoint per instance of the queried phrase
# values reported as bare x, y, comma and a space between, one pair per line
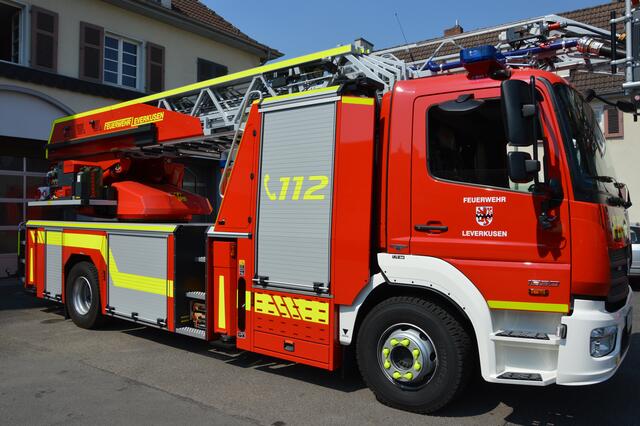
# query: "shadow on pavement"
613, 402
13, 296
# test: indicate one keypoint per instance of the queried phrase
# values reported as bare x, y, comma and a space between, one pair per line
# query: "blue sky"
305, 26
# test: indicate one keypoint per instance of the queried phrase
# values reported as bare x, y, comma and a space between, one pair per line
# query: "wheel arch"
387, 290
72, 261
430, 278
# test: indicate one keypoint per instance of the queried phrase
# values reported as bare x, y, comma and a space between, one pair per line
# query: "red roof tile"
597, 16
197, 11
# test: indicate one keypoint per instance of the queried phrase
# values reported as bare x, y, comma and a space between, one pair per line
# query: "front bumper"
576, 366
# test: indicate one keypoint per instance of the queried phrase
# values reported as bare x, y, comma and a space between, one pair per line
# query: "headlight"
603, 340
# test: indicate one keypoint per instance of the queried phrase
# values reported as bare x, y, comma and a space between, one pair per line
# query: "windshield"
585, 144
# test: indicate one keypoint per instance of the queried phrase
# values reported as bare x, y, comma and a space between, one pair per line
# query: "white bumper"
576, 366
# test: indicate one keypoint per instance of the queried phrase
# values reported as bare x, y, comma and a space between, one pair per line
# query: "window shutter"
155, 68
209, 69
613, 123
44, 39
91, 52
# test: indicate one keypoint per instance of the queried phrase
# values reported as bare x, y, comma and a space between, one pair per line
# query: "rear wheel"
83, 295
413, 354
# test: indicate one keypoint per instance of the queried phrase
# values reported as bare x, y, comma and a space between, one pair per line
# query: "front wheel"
83, 295
413, 354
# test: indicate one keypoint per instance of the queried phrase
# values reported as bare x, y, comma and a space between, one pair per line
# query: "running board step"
529, 377
519, 334
198, 295
520, 338
193, 332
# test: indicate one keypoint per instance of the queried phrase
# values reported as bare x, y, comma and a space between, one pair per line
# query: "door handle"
432, 228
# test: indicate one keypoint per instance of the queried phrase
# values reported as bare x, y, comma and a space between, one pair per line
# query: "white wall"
625, 152
626, 156
182, 48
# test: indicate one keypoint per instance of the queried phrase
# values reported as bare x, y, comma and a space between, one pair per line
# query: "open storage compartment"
190, 293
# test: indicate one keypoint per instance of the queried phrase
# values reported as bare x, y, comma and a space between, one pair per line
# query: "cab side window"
471, 146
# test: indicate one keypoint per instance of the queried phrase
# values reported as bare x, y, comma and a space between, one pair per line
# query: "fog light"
603, 341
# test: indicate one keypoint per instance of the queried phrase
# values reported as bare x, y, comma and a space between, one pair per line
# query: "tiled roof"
197, 11
597, 16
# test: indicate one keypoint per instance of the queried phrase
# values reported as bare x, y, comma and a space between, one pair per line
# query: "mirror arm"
534, 98
553, 197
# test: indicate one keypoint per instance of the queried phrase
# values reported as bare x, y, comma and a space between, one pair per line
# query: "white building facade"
58, 58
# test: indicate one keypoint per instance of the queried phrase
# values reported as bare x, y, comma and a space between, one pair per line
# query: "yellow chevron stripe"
281, 306
292, 308
305, 310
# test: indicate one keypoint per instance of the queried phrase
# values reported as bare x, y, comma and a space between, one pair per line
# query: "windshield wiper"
613, 200
605, 179
609, 179
619, 202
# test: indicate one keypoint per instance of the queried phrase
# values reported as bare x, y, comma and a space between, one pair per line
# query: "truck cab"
539, 228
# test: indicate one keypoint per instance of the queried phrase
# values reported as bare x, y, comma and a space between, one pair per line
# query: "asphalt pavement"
52, 372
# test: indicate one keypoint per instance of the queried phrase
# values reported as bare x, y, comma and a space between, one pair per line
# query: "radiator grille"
619, 264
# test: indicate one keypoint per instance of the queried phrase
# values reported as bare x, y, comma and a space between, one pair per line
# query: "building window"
209, 69
44, 39
120, 61
155, 68
20, 179
613, 123
10, 33
91, 41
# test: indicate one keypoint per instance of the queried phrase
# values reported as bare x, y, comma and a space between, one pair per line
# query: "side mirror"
519, 112
521, 168
626, 106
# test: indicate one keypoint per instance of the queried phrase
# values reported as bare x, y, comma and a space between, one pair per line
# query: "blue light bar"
480, 54
481, 61
501, 57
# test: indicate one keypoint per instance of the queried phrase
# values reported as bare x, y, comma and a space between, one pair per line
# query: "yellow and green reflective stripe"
54, 238
120, 279
222, 315
357, 101
528, 306
103, 226
136, 282
299, 94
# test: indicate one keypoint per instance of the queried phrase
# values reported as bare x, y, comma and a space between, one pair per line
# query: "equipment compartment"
189, 284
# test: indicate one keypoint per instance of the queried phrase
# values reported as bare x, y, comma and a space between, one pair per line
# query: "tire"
83, 296
422, 381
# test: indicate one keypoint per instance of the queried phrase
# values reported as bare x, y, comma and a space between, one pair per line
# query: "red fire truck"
438, 224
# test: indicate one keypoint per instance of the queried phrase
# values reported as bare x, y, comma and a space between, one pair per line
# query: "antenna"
404, 37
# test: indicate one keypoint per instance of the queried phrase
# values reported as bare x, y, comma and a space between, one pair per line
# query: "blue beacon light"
481, 61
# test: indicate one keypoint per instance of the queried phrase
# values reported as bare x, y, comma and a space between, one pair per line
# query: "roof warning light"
482, 61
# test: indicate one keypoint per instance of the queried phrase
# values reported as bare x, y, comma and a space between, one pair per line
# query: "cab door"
466, 211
